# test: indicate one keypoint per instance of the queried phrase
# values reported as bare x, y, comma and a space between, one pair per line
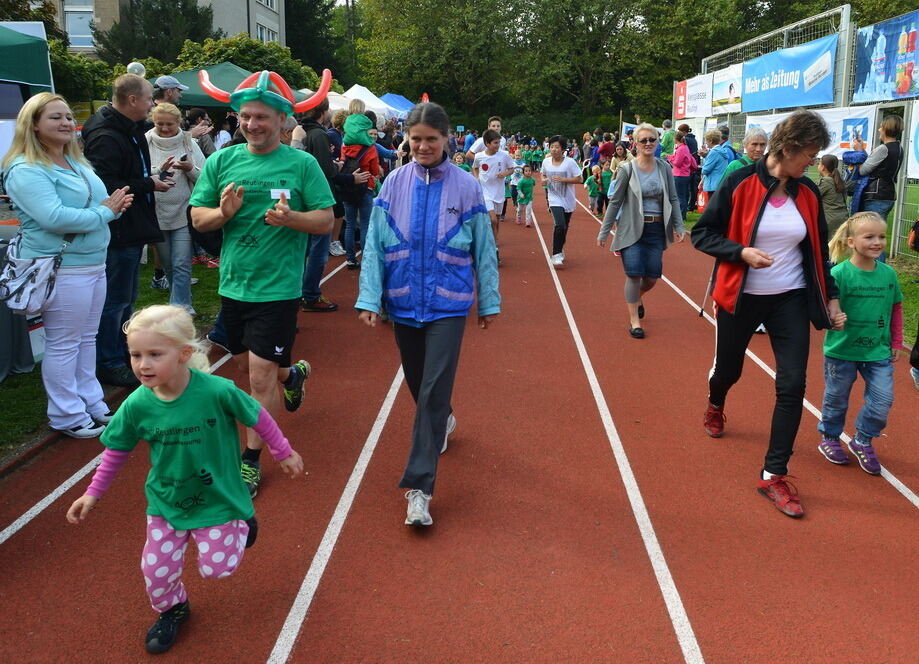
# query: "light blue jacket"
52, 202
714, 164
430, 250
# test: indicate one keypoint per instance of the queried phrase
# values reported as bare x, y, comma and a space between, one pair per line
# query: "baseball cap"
169, 82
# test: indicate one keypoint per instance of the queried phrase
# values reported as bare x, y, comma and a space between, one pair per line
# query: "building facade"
260, 19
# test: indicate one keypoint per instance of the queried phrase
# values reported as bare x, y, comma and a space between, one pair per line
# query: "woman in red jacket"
765, 227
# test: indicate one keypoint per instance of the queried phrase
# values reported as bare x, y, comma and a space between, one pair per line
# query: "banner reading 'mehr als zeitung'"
799, 76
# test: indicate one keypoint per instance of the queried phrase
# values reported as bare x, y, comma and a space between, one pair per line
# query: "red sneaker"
783, 494
713, 421
212, 263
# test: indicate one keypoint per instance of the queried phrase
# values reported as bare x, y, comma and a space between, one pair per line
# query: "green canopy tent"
225, 76
24, 62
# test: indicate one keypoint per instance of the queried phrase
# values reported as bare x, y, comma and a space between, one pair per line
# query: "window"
269, 3
77, 16
264, 34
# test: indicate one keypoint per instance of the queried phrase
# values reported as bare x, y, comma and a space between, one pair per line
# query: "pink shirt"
682, 161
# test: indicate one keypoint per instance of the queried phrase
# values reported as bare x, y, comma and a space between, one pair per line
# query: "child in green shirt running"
606, 177
592, 184
459, 159
868, 344
525, 196
194, 488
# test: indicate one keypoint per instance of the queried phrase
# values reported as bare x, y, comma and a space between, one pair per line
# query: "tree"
77, 77
311, 35
154, 28
248, 53
44, 11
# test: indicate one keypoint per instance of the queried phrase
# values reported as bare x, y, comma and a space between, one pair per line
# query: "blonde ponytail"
839, 243
174, 323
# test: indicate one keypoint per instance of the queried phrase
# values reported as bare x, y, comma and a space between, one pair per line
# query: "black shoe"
163, 634
118, 376
637, 332
353, 265
641, 311
253, 531
251, 473
293, 389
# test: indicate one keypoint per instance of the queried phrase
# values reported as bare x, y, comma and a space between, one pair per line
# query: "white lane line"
901, 488
678, 617
41, 505
292, 625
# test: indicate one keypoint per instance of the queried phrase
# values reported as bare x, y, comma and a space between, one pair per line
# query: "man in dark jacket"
117, 149
317, 142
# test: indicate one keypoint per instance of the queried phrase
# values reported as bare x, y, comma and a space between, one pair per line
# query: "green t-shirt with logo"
525, 190
593, 187
867, 299
194, 481
258, 262
606, 177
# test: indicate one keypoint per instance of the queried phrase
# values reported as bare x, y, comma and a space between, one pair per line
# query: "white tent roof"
383, 110
337, 102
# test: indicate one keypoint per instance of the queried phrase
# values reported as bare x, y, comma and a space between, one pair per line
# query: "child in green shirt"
592, 184
459, 159
606, 177
525, 196
868, 344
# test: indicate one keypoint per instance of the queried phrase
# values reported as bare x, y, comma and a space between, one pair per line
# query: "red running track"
540, 550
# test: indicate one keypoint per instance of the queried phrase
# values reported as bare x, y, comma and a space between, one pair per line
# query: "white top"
223, 137
479, 145
488, 166
780, 233
562, 194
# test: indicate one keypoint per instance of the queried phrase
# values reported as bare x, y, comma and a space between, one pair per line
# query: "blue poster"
798, 76
887, 60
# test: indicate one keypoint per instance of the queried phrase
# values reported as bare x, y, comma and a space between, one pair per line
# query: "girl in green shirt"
592, 184
459, 158
525, 196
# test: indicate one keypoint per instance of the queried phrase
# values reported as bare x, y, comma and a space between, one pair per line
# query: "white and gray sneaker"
451, 427
418, 514
558, 259
90, 429
336, 249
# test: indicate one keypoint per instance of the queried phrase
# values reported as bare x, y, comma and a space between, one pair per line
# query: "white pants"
71, 320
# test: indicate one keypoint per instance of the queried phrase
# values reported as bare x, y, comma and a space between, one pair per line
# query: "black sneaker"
293, 388
91, 429
253, 531
118, 376
163, 634
251, 472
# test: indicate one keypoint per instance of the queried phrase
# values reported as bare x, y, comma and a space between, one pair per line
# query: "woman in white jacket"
166, 140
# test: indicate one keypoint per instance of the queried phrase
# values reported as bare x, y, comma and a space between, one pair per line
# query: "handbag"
27, 284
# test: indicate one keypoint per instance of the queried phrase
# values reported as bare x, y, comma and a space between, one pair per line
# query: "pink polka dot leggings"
220, 550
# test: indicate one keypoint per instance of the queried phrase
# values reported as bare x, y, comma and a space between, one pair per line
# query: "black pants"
561, 219
602, 202
430, 355
786, 319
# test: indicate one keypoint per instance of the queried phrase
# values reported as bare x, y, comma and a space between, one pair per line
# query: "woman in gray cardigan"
645, 211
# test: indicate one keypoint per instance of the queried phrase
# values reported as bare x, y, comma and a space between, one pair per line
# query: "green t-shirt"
194, 480
525, 190
527, 156
538, 155
465, 167
593, 189
606, 177
867, 298
744, 160
258, 262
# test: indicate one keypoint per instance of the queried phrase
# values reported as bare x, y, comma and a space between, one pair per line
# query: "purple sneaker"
864, 454
832, 450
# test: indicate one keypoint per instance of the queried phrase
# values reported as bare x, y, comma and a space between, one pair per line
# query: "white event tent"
337, 102
383, 110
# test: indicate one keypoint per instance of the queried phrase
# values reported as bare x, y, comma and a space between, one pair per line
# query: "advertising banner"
845, 125
912, 157
694, 97
799, 76
726, 89
887, 60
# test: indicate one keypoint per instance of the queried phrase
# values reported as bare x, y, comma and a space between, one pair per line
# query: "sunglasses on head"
645, 141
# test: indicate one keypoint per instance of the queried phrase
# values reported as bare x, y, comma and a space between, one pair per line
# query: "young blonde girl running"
525, 196
194, 489
869, 294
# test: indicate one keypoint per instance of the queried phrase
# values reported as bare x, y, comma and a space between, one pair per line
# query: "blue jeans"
317, 255
883, 208
839, 376
175, 254
353, 212
645, 258
682, 192
122, 270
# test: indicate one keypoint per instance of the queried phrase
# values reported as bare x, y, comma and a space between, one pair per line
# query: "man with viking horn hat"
266, 197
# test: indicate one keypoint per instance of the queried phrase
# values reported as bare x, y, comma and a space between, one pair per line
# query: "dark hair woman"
833, 192
780, 278
426, 264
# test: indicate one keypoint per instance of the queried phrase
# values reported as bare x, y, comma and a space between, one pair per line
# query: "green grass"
23, 396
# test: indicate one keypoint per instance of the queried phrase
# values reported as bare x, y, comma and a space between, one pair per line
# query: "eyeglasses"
645, 141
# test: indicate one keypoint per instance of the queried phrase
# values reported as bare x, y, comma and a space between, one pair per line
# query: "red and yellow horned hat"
256, 88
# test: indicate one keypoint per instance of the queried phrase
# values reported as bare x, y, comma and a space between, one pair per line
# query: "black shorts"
267, 329
338, 210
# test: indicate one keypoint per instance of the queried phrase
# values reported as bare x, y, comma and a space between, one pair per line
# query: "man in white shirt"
490, 167
494, 124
